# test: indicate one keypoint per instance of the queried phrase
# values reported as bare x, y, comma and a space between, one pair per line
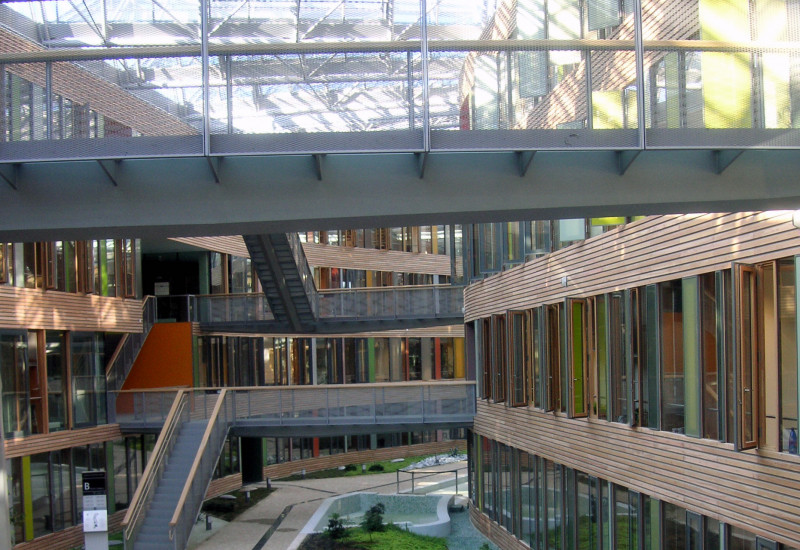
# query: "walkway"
274, 523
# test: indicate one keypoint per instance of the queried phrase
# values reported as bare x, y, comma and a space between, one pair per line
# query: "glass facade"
662, 351
550, 506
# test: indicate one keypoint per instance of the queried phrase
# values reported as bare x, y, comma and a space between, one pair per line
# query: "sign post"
95, 512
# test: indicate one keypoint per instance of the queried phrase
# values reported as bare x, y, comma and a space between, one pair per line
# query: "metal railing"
384, 303
120, 364
305, 271
199, 477
616, 90
431, 402
149, 408
177, 415
390, 303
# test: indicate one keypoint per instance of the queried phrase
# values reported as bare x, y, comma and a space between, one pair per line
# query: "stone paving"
275, 522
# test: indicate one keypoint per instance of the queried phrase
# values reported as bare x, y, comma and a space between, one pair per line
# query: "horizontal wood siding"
34, 444
494, 531
655, 249
285, 469
757, 490
71, 537
348, 257
343, 257
29, 308
233, 245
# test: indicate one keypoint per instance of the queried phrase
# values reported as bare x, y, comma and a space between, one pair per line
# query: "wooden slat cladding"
343, 257
346, 257
28, 308
494, 531
655, 249
757, 490
34, 444
69, 538
233, 245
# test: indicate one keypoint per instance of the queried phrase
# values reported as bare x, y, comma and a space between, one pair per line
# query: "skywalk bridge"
194, 423
341, 311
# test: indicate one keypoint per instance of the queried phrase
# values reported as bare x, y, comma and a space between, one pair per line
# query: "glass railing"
271, 406
209, 77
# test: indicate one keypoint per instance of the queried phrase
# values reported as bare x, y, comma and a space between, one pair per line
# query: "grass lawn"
393, 538
228, 508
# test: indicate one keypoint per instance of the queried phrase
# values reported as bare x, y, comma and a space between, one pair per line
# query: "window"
672, 383
499, 358
747, 354
553, 378
618, 366
577, 357
519, 342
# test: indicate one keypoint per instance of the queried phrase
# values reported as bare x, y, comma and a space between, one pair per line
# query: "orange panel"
165, 359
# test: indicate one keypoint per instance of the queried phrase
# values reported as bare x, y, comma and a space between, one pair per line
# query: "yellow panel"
618, 220
607, 110
27, 498
726, 77
458, 346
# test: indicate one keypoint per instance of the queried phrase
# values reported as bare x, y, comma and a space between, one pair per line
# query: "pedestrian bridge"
321, 410
193, 425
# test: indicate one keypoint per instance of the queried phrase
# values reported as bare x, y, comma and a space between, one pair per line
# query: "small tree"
373, 519
336, 529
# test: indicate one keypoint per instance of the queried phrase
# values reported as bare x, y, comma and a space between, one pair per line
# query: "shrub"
376, 468
335, 529
350, 468
373, 519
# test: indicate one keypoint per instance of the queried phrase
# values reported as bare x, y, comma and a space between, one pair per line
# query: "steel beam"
170, 197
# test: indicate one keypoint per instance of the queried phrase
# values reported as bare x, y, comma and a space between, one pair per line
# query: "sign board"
161, 288
95, 521
94, 483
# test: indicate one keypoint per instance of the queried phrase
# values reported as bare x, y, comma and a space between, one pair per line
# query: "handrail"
118, 367
191, 477
453, 45
133, 515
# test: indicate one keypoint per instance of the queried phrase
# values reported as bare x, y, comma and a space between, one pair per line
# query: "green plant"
335, 529
373, 519
485, 546
376, 468
350, 468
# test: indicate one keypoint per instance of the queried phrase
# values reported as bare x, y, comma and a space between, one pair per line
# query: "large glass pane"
39, 472
672, 357
617, 363
787, 318
601, 331
14, 380
673, 527
577, 357
519, 343
650, 359
748, 357
710, 362
691, 356
88, 380
55, 353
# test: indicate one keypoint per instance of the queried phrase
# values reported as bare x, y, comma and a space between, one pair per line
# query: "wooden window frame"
519, 375
499, 359
573, 306
746, 378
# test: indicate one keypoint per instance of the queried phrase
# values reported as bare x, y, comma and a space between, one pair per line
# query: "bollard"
208, 522
247, 496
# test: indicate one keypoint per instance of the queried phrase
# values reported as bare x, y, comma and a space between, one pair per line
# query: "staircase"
154, 533
285, 278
